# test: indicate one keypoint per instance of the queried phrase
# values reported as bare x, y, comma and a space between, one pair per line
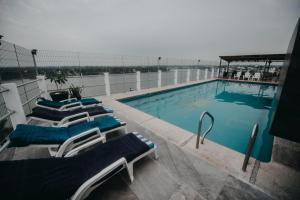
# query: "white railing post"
188, 75
212, 73
175, 77
107, 85
206, 72
13, 103
159, 79
198, 74
42, 86
138, 80
218, 72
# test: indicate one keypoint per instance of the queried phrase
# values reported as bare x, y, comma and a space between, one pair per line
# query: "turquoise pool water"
235, 106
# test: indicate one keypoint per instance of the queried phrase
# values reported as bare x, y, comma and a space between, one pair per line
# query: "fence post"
42, 86
188, 75
159, 79
13, 102
198, 74
107, 85
175, 76
33, 53
206, 72
212, 73
138, 80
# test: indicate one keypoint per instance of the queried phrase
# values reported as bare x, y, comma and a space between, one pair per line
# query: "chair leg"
155, 153
130, 171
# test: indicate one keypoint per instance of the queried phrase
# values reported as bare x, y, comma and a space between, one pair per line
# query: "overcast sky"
178, 28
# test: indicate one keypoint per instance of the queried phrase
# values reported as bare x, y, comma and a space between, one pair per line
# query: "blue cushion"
55, 104
55, 115
59, 178
31, 134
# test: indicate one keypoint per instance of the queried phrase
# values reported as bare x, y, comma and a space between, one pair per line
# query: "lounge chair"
58, 118
237, 75
62, 141
247, 76
256, 76
72, 177
68, 104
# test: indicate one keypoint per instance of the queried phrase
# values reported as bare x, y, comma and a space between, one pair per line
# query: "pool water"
235, 106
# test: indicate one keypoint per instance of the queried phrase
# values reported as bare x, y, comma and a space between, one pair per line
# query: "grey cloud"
177, 28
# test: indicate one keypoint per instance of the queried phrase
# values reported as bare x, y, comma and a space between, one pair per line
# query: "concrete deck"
181, 172
177, 174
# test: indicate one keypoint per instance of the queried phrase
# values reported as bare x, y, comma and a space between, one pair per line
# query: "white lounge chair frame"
68, 118
247, 75
238, 75
87, 187
73, 144
70, 106
256, 76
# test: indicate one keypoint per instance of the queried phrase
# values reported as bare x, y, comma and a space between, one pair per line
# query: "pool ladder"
200, 127
250, 146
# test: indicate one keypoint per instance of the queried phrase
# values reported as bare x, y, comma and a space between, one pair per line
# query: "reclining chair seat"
59, 178
56, 115
26, 134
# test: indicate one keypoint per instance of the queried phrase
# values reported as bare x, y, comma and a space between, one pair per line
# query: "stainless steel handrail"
9, 113
3, 89
250, 146
200, 126
31, 99
36, 80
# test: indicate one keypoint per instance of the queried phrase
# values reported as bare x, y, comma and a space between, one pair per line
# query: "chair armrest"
67, 119
71, 106
74, 151
4, 144
68, 100
73, 140
83, 190
77, 121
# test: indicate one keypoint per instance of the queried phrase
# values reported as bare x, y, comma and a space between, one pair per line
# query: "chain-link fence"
17, 66
87, 70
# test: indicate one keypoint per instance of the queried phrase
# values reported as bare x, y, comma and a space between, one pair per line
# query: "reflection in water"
257, 102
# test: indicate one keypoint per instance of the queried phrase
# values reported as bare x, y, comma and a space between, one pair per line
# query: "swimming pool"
235, 106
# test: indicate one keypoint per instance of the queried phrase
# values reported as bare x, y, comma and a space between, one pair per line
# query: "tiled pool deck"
182, 172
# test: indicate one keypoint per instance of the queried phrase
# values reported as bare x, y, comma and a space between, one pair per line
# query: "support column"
219, 68
218, 72
138, 80
33, 53
212, 73
188, 75
107, 85
13, 103
42, 86
175, 77
206, 73
198, 75
159, 79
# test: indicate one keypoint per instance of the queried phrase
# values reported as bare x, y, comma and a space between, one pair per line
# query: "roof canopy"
255, 58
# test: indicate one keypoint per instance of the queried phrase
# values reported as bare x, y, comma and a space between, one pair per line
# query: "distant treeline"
10, 73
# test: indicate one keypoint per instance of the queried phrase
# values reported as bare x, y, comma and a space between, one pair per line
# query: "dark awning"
255, 58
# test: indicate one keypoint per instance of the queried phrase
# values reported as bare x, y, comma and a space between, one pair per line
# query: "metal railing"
250, 146
27, 83
200, 127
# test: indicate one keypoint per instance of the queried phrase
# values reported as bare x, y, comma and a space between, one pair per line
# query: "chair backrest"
247, 74
238, 73
257, 75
